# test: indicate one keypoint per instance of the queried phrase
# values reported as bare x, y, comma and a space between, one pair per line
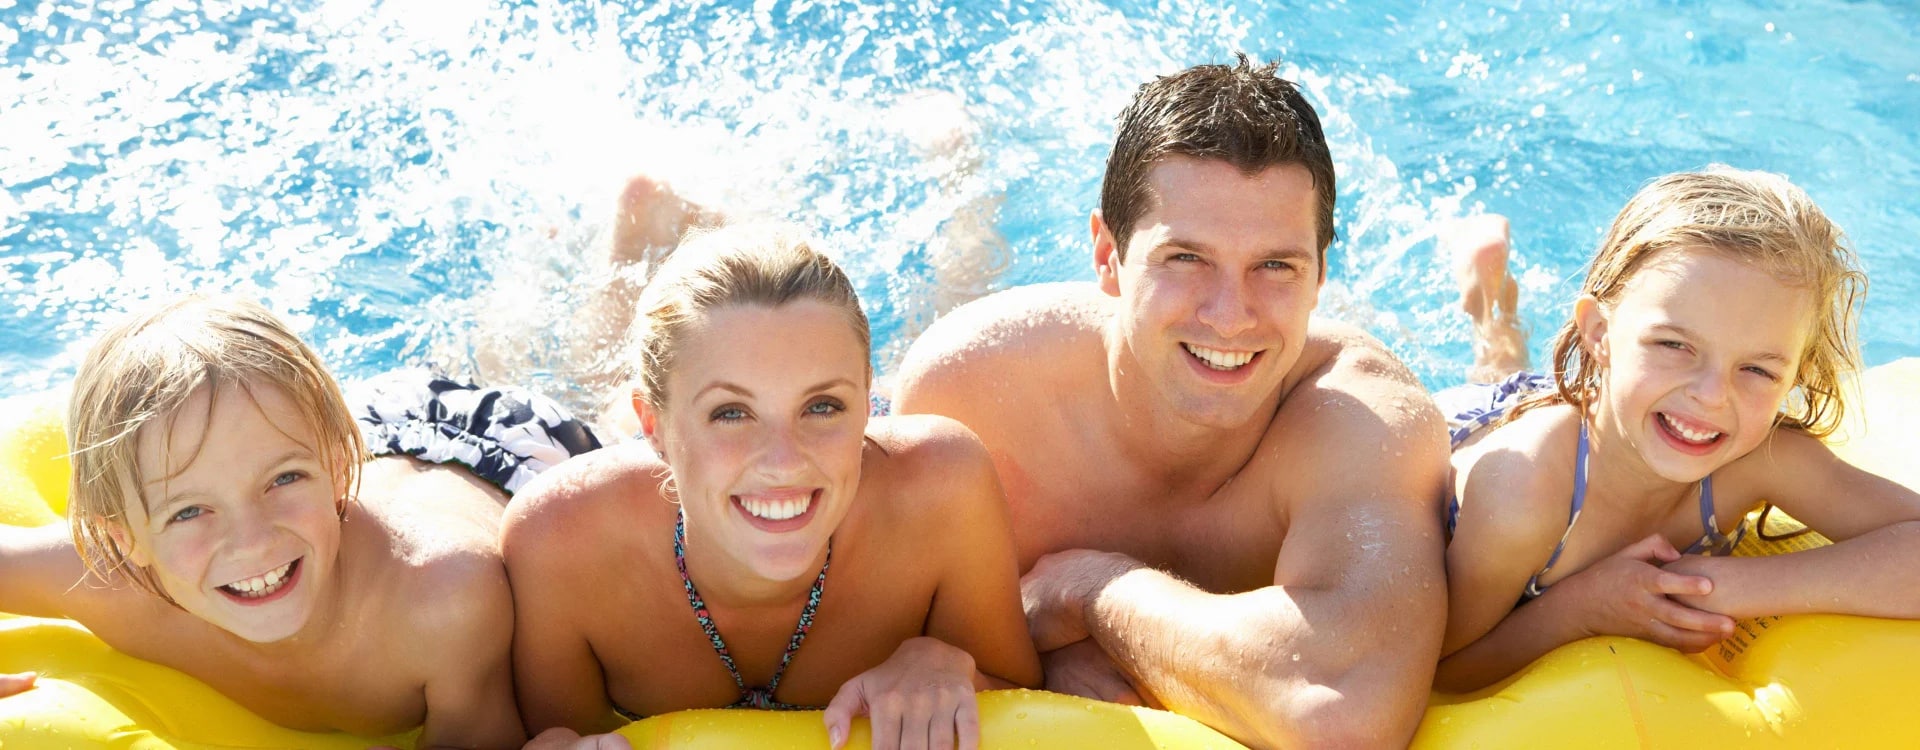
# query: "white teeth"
261, 585
1690, 435
776, 510
1219, 360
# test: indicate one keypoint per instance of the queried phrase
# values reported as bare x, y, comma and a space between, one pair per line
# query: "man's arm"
1341, 649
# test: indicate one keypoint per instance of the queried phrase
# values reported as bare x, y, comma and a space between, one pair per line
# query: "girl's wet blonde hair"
140, 374
1750, 216
761, 264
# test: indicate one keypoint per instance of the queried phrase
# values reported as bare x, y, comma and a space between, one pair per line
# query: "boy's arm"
38, 569
469, 690
1874, 523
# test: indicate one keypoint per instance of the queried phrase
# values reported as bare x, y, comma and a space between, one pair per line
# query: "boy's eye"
1762, 372
286, 478
825, 406
185, 514
1669, 344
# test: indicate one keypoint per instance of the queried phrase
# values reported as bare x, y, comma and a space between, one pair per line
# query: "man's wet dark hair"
1244, 115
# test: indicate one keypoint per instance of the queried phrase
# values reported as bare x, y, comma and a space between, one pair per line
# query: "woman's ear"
649, 421
1590, 317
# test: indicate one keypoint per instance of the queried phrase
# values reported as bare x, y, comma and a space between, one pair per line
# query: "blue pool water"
388, 172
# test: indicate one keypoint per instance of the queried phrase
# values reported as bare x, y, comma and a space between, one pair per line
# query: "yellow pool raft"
1800, 682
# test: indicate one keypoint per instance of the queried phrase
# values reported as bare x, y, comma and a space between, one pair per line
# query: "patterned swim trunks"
505, 435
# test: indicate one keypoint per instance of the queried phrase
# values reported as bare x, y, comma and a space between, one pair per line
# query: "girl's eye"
1674, 345
1764, 373
825, 406
185, 514
728, 414
287, 478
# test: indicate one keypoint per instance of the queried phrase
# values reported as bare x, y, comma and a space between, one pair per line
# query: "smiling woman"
818, 557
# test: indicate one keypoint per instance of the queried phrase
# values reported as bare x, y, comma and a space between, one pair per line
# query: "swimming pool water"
386, 173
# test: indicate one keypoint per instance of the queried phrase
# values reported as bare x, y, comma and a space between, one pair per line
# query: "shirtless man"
1221, 508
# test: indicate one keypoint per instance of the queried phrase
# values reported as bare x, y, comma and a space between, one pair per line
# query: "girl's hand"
1629, 594
919, 698
562, 738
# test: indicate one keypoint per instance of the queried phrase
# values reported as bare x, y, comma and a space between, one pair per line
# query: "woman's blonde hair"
143, 371
750, 264
1755, 217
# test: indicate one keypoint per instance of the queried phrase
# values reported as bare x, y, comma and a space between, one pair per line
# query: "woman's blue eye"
825, 406
185, 514
728, 414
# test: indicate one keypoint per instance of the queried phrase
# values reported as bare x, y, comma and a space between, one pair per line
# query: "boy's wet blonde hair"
1750, 216
139, 375
750, 264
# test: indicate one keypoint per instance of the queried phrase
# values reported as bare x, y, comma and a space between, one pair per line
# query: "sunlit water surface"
388, 173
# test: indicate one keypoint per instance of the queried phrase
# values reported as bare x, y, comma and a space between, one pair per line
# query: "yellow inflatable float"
1793, 682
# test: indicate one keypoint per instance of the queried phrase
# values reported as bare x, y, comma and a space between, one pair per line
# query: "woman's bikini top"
1711, 541
750, 697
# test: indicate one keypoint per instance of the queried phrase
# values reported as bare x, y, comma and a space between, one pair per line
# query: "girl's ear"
1590, 317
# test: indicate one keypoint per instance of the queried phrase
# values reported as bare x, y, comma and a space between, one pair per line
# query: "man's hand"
16, 683
1060, 588
1629, 594
1083, 669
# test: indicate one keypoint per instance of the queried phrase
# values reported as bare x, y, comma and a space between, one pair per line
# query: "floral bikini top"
750, 697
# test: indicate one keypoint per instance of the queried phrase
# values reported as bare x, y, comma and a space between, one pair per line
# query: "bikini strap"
1573, 516
1712, 542
757, 697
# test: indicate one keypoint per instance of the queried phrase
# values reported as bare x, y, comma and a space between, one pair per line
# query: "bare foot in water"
649, 221
1488, 294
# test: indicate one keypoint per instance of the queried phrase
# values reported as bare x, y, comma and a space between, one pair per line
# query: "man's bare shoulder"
1001, 338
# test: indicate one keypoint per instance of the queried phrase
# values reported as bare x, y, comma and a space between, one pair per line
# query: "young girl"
768, 545
226, 521
1694, 382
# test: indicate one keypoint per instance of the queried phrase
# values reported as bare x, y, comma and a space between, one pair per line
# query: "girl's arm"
1874, 523
1512, 515
1625, 594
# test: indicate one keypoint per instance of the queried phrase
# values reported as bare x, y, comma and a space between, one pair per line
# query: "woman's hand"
920, 698
562, 738
1629, 594
16, 683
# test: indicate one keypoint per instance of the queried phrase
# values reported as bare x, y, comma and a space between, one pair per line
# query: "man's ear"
1106, 255
1590, 318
